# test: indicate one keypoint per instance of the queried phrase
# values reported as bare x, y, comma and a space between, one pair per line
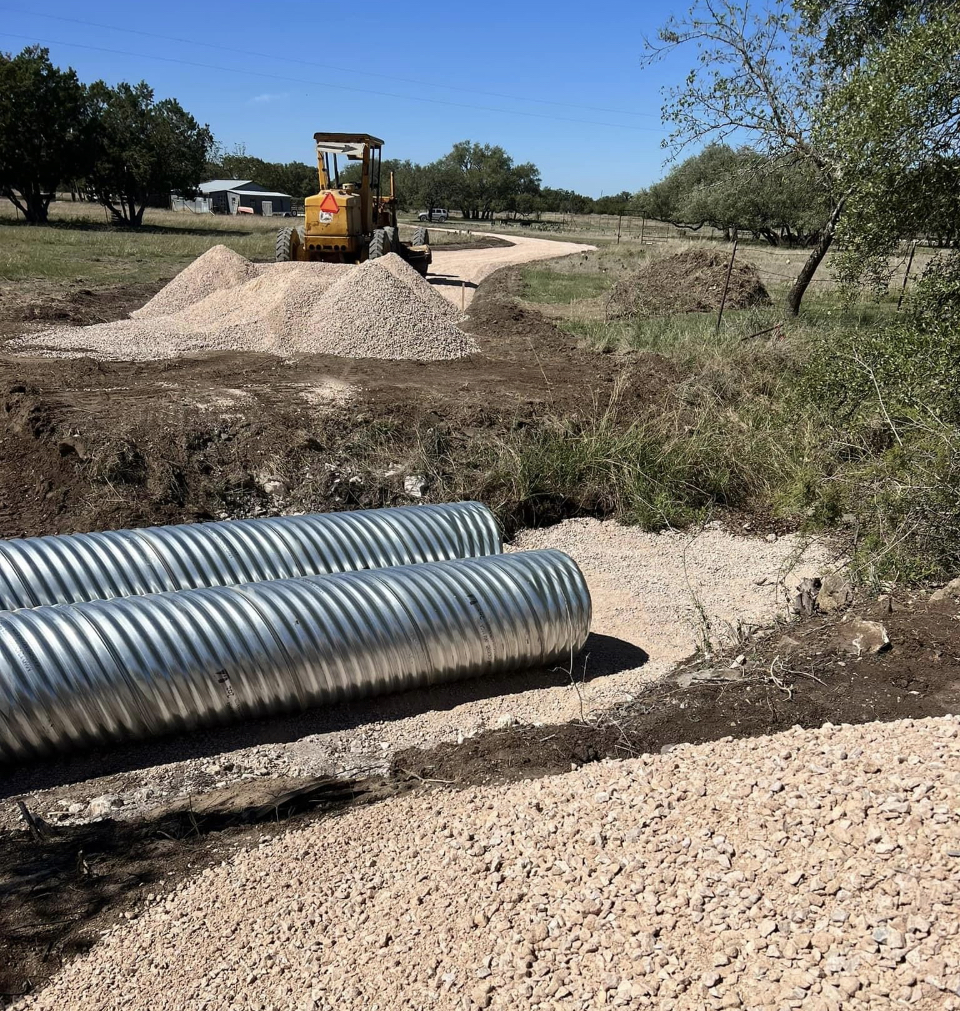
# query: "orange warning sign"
330, 204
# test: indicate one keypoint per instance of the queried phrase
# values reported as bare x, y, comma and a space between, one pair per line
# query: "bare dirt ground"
458, 273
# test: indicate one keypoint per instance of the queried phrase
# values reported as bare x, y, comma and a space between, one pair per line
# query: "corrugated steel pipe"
107, 670
37, 571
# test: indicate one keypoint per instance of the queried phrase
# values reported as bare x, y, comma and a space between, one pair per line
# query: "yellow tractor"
351, 222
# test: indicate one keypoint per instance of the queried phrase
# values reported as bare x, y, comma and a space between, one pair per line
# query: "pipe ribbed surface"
38, 571
107, 670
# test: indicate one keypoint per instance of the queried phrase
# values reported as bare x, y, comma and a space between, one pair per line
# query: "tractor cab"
348, 222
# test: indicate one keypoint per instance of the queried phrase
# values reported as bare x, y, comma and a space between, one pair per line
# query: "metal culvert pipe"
67, 569
108, 670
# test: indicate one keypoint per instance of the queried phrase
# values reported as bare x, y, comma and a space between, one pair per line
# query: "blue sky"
490, 71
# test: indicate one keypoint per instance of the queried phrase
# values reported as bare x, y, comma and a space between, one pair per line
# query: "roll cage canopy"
349, 144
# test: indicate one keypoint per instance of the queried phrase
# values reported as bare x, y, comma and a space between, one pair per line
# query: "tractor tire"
379, 244
288, 244
393, 238
421, 237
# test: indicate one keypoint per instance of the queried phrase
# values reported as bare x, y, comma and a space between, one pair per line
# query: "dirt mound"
219, 267
381, 309
691, 281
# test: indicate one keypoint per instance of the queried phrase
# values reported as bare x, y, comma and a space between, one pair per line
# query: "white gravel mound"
219, 267
222, 302
813, 870
384, 309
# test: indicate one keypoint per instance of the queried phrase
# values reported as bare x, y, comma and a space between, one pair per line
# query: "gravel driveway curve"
471, 266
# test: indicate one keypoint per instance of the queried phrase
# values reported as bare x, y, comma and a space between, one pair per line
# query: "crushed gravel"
814, 870
418, 325
219, 267
381, 309
645, 588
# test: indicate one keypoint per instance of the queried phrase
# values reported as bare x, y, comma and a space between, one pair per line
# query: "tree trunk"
819, 251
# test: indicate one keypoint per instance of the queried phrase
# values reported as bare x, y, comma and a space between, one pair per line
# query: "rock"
75, 809
860, 637
805, 600
100, 806
505, 721
952, 589
481, 995
835, 594
415, 485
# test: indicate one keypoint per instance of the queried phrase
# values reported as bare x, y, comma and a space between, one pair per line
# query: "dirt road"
460, 271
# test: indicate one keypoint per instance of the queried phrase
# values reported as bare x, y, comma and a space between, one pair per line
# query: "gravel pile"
381, 309
814, 870
218, 267
419, 324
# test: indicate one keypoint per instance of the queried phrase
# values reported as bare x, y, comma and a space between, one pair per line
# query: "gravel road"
813, 870
471, 266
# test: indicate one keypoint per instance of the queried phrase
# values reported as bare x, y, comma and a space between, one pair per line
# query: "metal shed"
226, 195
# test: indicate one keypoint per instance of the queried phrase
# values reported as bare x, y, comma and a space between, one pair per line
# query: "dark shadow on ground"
602, 655
450, 280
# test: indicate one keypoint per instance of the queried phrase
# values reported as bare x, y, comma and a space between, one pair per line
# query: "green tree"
43, 118
740, 190
892, 115
865, 94
758, 77
483, 179
143, 148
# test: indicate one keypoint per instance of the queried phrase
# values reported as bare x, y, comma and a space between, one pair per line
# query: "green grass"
544, 285
78, 244
841, 419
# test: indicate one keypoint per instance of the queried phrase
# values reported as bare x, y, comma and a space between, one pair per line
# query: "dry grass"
80, 244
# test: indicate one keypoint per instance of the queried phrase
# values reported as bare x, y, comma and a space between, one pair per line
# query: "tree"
43, 115
143, 147
864, 93
759, 77
483, 179
740, 190
892, 114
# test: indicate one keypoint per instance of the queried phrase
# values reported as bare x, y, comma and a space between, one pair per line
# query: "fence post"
726, 283
643, 224
619, 219
906, 274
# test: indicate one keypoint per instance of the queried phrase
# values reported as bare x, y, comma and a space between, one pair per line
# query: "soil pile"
812, 868
218, 267
381, 309
691, 281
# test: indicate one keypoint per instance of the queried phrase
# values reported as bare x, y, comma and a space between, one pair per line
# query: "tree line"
121, 147
118, 145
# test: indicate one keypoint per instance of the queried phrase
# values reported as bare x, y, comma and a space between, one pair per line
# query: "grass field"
81, 244
835, 419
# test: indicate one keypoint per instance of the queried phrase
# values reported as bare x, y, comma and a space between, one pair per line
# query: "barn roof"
218, 185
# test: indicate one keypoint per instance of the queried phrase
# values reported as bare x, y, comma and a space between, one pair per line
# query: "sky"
555, 83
